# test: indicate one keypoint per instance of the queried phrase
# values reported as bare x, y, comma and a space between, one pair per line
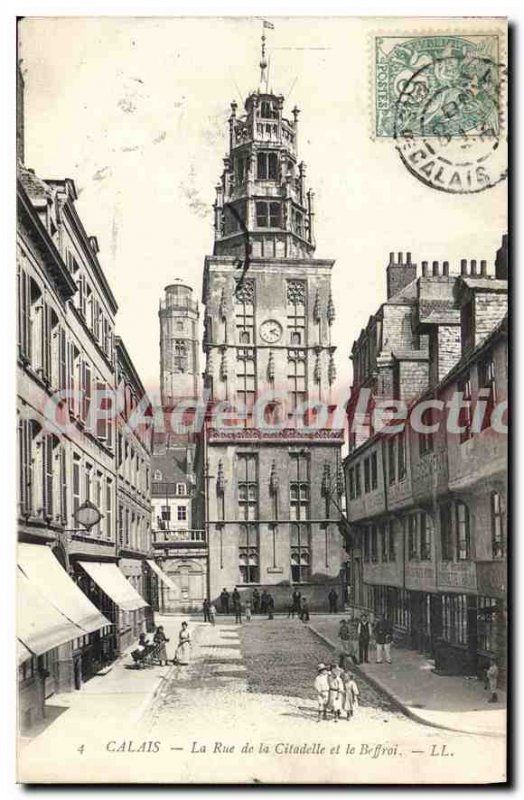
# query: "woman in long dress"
184, 645
160, 640
351, 694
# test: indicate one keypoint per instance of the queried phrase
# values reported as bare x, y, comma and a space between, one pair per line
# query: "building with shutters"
269, 482
427, 509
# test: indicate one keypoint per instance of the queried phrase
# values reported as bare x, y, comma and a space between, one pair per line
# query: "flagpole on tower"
264, 74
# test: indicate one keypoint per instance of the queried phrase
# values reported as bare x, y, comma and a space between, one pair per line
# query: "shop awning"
166, 580
40, 626
45, 572
22, 653
115, 584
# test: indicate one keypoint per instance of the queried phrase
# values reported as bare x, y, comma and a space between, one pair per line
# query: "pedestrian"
304, 610
270, 603
212, 613
333, 601
322, 690
263, 602
291, 608
364, 635
493, 677
248, 610
184, 645
297, 598
352, 623
205, 609
256, 601
336, 691
351, 694
237, 607
160, 640
343, 635
224, 601
383, 636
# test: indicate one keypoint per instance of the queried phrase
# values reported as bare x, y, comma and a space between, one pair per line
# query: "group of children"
337, 692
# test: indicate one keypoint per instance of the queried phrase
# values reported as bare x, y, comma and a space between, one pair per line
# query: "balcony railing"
183, 536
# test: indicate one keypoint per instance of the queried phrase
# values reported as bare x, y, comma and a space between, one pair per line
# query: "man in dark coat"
304, 610
383, 637
224, 601
333, 601
364, 635
205, 609
237, 607
256, 601
263, 602
270, 606
296, 601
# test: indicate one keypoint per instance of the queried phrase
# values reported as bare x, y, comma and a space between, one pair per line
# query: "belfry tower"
271, 493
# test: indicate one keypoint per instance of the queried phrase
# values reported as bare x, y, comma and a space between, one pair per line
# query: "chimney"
445, 268
502, 260
484, 268
425, 269
474, 266
399, 273
435, 269
463, 266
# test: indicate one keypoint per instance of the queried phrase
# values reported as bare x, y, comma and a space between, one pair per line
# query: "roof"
485, 284
172, 464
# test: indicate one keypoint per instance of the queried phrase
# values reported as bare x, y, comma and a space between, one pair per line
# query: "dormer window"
157, 475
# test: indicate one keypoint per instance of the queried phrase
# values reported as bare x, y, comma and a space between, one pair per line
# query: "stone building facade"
427, 509
67, 624
179, 362
270, 482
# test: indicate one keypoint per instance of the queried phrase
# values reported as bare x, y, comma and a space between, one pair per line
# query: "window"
26, 431
351, 479
296, 376
384, 550
88, 476
267, 110
412, 538
157, 475
357, 481
365, 544
246, 377
24, 315
401, 453
120, 525
374, 474
392, 554
446, 541
486, 374
247, 486
165, 513
267, 166
374, 544
463, 532
244, 312
180, 357
296, 311
180, 488
498, 538
487, 614
300, 553
297, 222
455, 618
181, 513
391, 461
464, 386
299, 493
367, 482
47, 444
248, 554
108, 521
268, 214
426, 536
426, 440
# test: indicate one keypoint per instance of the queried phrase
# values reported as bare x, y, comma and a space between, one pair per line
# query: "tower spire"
263, 64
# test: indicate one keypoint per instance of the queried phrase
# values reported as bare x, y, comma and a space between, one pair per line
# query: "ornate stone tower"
179, 368
271, 486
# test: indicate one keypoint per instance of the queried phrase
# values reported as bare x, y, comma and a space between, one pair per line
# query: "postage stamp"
441, 99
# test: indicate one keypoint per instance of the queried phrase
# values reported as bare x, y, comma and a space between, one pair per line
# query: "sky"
135, 111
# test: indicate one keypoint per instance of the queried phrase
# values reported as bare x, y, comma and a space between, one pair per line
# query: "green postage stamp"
432, 85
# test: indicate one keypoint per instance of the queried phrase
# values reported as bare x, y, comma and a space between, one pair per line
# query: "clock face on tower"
270, 331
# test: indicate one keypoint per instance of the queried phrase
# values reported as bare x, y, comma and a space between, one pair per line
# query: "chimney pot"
463, 266
392, 257
408, 258
473, 266
484, 267
400, 257
424, 268
435, 268
445, 268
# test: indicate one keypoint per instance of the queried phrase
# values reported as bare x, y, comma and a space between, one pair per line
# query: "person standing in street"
160, 640
224, 601
336, 691
304, 610
256, 601
353, 638
270, 606
383, 637
212, 613
333, 601
297, 598
263, 602
322, 690
184, 646
205, 609
492, 675
351, 694
237, 607
364, 635
248, 610
343, 635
